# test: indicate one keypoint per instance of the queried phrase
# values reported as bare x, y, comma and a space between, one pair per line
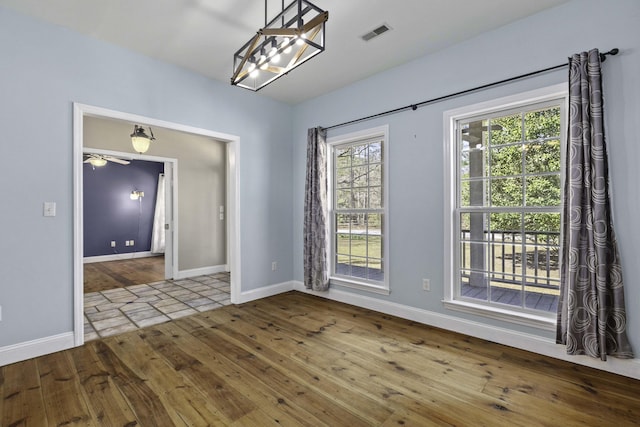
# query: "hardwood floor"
102, 276
299, 360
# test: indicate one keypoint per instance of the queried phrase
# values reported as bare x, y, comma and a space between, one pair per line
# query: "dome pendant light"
140, 139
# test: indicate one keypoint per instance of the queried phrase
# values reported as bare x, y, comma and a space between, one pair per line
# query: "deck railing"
539, 266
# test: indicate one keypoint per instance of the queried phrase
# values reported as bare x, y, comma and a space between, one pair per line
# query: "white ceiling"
203, 35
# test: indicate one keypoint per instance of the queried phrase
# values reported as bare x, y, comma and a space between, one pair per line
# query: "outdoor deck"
533, 300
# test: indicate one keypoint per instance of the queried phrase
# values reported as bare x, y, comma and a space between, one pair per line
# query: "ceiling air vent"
376, 32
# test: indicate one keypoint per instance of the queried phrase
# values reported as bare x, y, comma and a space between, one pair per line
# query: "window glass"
358, 211
508, 208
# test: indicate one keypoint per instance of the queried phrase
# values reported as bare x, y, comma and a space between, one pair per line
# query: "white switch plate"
426, 284
49, 209
113, 243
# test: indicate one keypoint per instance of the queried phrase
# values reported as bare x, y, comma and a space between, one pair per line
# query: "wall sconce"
135, 195
140, 139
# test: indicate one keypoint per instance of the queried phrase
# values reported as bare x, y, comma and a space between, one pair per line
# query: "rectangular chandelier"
290, 39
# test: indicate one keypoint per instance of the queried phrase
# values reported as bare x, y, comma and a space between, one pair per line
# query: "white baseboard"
185, 274
265, 292
27, 350
523, 341
118, 257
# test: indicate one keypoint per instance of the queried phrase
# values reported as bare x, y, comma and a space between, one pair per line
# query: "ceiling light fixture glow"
97, 161
286, 44
140, 140
300, 21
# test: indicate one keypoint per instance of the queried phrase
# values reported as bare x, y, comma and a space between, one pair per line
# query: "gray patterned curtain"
591, 309
316, 276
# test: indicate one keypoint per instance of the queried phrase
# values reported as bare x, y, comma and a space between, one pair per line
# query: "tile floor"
121, 310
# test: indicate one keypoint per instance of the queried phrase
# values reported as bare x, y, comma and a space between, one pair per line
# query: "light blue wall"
43, 70
416, 138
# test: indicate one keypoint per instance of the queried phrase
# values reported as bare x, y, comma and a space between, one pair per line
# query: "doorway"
229, 210
128, 214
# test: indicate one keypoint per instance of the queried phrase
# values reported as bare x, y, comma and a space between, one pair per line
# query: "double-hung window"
504, 192
358, 210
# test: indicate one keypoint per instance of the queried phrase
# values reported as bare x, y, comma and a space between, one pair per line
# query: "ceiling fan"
98, 160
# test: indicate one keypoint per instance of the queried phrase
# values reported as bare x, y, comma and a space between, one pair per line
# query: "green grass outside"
357, 247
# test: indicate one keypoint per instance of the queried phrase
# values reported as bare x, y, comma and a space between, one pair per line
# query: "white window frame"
381, 132
451, 229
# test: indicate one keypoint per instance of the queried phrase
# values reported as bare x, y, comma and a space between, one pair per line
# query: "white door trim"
233, 199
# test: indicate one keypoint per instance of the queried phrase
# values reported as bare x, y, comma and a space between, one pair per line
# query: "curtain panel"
591, 309
316, 276
158, 231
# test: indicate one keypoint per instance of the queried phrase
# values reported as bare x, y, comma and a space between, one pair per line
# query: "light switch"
49, 209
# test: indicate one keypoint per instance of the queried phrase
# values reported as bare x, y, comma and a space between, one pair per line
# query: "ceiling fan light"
97, 162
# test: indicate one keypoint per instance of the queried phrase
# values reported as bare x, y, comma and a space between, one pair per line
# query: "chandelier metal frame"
294, 36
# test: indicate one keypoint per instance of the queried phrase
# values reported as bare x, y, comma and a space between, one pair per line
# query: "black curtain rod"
603, 57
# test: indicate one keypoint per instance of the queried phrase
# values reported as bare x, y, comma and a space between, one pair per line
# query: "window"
358, 209
503, 231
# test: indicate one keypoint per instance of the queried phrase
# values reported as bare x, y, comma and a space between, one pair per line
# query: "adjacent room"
151, 252
358, 213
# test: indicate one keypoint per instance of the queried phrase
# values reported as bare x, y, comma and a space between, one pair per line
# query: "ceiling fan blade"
87, 160
116, 160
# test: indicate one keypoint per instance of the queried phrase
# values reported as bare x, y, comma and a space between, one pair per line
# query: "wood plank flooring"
299, 360
102, 276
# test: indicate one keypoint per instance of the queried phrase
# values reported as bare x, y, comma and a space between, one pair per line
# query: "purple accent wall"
109, 212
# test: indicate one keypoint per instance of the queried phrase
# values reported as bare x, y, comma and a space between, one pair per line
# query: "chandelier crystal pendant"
290, 39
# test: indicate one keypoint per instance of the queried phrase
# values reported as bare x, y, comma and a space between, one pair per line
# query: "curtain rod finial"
614, 51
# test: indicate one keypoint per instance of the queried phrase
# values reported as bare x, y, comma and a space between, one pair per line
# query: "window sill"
363, 286
512, 316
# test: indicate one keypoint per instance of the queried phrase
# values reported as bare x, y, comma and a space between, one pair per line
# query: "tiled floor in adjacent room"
121, 310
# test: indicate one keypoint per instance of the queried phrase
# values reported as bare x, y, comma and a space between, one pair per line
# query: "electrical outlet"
274, 265
113, 243
126, 243
426, 284
132, 242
